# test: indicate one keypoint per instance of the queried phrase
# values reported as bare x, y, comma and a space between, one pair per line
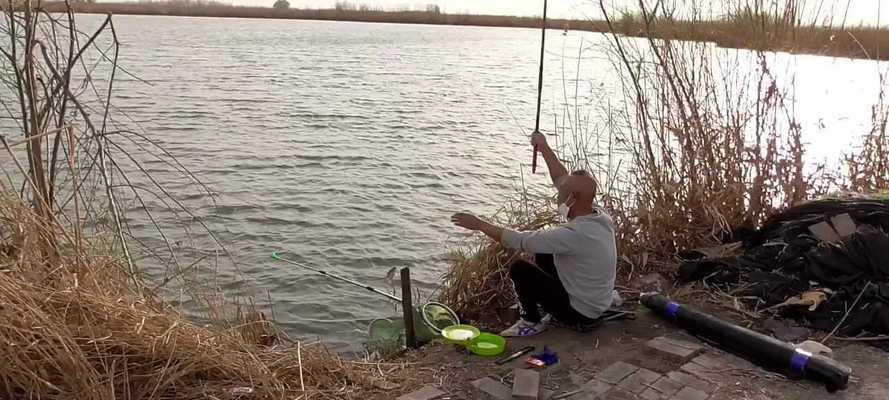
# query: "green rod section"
277, 256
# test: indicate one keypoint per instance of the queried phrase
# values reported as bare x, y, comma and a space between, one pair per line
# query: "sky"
859, 11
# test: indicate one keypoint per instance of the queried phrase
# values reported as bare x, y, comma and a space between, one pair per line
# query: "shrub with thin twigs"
74, 161
78, 318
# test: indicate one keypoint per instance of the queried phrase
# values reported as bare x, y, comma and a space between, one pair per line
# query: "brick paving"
639, 380
688, 393
667, 386
597, 387
677, 350
694, 380
616, 372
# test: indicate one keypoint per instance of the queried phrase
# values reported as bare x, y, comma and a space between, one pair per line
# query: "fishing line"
434, 315
278, 257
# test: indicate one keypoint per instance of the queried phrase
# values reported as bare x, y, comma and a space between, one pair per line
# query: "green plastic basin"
487, 344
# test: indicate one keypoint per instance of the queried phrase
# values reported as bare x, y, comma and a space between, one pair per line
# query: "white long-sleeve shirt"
585, 256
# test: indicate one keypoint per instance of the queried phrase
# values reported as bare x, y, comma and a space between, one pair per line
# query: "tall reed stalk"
868, 168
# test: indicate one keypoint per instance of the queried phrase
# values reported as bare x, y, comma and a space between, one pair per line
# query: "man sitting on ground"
572, 278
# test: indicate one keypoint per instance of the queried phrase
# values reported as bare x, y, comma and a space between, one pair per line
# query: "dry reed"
711, 148
796, 26
868, 168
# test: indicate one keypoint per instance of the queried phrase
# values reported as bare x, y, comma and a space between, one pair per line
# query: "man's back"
584, 254
588, 272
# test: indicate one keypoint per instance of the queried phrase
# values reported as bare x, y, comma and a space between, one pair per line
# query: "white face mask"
564, 209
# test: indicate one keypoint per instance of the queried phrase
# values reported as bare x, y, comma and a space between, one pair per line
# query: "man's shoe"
581, 327
546, 319
524, 329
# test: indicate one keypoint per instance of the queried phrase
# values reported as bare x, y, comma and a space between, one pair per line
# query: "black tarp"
783, 259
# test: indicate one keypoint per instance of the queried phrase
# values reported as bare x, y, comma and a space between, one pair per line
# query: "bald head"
578, 190
579, 184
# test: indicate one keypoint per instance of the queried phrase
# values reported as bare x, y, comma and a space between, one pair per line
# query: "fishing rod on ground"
540, 85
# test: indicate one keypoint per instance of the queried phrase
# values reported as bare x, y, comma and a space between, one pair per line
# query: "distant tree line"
183, 3
349, 6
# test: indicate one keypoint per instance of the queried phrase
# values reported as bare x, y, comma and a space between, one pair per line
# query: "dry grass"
78, 319
75, 328
759, 31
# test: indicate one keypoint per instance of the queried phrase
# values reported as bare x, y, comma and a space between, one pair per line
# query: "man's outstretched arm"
553, 241
553, 164
474, 223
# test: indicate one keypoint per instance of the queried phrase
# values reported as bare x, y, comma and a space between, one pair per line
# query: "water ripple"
348, 145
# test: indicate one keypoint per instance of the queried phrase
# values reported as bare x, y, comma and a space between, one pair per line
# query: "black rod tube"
766, 351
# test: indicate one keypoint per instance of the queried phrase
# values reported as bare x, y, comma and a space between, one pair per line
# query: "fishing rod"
278, 257
429, 312
540, 86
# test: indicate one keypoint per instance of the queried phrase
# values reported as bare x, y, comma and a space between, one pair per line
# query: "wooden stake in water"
407, 307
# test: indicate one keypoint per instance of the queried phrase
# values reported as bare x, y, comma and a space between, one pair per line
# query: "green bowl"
460, 334
487, 344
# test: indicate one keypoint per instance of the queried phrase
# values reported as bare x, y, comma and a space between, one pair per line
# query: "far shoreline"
376, 16
246, 17
860, 42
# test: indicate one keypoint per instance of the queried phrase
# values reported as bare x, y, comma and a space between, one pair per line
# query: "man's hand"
473, 223
555, 167
539, 140
468, 221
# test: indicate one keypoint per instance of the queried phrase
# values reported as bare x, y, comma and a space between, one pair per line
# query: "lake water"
348, 145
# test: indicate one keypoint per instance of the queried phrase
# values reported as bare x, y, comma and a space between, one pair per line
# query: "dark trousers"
539, 285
